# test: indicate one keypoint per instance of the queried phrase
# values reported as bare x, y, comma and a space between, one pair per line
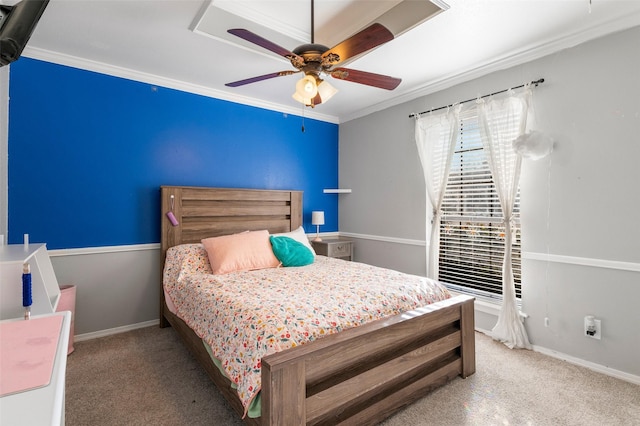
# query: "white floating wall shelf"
337, 191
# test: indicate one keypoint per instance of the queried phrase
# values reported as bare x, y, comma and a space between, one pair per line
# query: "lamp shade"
326, 91
302, 99
317, 218
307, 87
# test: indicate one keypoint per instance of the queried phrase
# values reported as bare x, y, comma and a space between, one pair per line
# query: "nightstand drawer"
338, 248
341, 249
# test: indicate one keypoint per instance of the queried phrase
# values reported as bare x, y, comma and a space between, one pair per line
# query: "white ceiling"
155, 42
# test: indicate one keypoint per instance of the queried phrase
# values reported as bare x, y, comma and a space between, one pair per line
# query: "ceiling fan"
317, 61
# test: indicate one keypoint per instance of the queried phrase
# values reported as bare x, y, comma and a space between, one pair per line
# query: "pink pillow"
240, 252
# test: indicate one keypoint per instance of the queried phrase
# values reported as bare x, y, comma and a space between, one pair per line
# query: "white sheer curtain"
501, 121
435, 134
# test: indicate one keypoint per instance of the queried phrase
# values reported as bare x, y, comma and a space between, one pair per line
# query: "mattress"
244, 316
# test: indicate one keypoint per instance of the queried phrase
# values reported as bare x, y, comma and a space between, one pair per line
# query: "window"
472, 226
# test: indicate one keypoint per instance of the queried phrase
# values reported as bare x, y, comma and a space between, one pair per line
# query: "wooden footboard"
359, 376
362, 375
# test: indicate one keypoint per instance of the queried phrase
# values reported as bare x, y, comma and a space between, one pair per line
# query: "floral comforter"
244, 316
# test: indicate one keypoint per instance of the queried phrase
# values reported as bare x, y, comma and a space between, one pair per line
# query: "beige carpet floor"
147, 377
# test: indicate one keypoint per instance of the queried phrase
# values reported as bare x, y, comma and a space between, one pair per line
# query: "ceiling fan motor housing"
310, 49
312, 55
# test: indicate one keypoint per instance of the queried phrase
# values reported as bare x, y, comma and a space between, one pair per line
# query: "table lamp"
317, 219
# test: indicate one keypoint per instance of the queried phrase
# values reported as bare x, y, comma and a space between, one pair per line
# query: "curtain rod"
535, 83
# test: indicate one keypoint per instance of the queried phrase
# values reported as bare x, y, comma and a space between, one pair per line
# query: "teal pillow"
291, 252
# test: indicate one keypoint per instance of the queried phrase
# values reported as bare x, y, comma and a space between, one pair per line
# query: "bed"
359, 375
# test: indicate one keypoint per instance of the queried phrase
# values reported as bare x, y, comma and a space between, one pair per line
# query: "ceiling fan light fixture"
326, 90
306, 87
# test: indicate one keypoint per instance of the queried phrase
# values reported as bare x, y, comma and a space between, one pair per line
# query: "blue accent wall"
88, 153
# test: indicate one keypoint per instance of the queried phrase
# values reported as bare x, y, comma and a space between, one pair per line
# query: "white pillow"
298, 235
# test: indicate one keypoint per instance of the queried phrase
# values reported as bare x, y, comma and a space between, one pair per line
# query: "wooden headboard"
211, 212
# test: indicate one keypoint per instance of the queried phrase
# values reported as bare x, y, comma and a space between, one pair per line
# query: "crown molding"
522, 56
116, 71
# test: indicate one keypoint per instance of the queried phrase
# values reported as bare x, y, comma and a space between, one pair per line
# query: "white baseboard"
612, 372
627, 377
112, 331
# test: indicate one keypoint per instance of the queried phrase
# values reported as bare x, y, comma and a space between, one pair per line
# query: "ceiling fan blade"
263, 42
372, 36
368, 78
260, 78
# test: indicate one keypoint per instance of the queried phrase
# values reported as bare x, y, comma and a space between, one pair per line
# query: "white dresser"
44, 405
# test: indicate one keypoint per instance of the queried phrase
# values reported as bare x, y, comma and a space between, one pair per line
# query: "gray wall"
119, 288
580, 205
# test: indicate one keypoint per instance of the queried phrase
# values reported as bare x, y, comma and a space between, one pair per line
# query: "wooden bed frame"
358, 376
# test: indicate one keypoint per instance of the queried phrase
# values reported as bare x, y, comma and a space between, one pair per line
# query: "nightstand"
334, 247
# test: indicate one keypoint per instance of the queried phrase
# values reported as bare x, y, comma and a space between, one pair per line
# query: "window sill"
488, 305
482, 304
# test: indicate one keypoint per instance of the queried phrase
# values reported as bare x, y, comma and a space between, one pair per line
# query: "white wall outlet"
592, 327
546, 321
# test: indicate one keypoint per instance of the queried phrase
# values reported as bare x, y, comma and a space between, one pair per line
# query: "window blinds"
472, 226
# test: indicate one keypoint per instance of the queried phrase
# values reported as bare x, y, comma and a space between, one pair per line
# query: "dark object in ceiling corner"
16, 26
